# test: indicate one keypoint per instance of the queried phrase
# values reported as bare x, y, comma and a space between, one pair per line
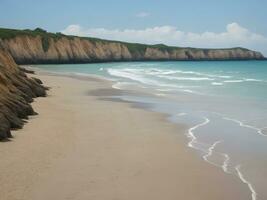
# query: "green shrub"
40, 30
45, 43
136, 48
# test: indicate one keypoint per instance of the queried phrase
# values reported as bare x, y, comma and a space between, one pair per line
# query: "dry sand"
83, 148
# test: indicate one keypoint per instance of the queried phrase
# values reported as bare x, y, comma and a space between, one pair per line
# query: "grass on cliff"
46, 36
11, 33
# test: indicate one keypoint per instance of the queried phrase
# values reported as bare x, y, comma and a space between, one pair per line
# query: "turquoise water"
235, 78
223, 104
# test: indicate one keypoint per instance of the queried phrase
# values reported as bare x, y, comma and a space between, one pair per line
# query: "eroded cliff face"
202, 54
27, 49
16, 92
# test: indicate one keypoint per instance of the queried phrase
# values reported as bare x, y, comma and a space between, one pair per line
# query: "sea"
223, 104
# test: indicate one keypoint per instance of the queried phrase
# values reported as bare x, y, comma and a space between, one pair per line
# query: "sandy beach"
80, 147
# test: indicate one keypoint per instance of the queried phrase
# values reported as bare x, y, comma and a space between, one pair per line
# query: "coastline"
81, 147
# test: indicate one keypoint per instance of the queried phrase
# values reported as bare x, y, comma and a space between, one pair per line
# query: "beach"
83, 146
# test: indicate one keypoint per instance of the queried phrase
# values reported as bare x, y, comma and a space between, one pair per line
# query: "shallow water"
223, 103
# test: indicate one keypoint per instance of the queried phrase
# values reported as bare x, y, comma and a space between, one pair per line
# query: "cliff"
39, 46
16, 92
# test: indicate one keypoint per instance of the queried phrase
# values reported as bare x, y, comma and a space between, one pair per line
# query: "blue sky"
231, 22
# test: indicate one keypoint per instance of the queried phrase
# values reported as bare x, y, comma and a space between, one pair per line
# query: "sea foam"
250, 186
258, 130
191, 135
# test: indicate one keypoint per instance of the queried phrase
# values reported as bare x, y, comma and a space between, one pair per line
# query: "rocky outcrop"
16, 92
29, 47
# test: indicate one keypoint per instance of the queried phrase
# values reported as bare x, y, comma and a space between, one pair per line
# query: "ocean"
223, 104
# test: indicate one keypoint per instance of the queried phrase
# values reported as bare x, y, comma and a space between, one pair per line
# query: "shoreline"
78, 147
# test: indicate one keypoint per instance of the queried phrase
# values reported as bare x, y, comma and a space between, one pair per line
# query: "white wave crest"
135, 75
226, 163
186, 78
216, 83
258, 130
225, 76
191, 135
160, 94
242, 178
233, 81
131, 76
181, 114
253, 80
210, 150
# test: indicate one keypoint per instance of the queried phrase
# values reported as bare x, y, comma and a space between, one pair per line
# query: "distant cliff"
39, 46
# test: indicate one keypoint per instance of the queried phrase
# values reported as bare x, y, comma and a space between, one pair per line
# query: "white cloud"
233, 36
142, 14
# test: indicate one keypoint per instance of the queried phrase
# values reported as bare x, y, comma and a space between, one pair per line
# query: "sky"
196, 23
